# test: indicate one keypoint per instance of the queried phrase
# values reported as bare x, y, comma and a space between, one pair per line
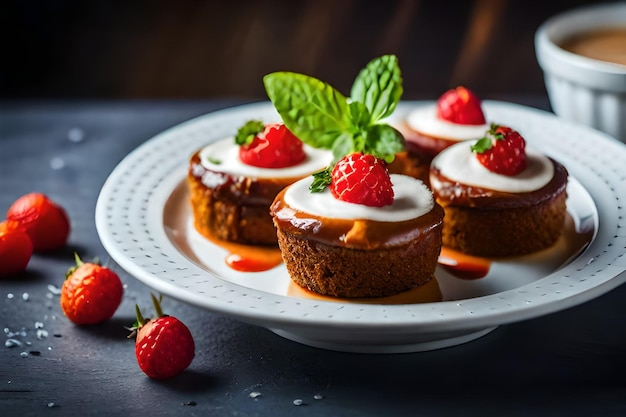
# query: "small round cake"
494, 215
456, 116
343, 249
230, 199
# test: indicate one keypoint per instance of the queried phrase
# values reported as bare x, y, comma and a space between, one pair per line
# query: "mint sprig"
322, 117
312, 110
485, 143
379, 86
321, 180
246, 133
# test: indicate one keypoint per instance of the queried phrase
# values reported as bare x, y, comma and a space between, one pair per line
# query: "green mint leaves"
485, 143
321, 180
322, 117
246, 133
312, 110
379, 87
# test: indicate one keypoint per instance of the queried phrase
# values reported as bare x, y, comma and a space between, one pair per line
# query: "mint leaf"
359, 115
485, 143
246, 133
312, 110
322, 117
344, 145
321, 180
379, 86
482, 145
384, 142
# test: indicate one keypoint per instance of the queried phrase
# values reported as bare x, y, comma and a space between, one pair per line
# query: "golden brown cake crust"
233, 208
508, 232
344, 272
357, 258
490, 223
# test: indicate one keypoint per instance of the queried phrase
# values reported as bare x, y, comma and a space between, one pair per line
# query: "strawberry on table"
502, 150
460, 105
91, 293
164, 346
268, 146
15, 249
45, 222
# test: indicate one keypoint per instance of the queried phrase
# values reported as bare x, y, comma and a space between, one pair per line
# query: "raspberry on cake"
500, 197
362, 179
234, 181
268, 146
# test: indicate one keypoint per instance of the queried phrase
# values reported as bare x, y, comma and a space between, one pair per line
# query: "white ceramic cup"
581, 89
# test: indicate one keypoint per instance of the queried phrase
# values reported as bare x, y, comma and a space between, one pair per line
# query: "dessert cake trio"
361, 208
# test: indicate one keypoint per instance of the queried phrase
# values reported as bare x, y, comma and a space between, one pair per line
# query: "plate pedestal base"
406, 347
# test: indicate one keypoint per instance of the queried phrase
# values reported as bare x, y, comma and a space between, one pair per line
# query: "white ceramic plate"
144, 222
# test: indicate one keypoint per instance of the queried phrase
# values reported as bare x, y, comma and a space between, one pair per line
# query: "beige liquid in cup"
607, 44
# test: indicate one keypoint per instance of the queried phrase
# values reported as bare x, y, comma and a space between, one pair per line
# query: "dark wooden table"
570, 363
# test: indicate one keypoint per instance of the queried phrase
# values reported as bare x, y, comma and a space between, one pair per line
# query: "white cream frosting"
459, 163
223, 156
424, 120
412, 199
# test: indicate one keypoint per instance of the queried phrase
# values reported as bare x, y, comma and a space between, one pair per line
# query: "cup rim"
553, 58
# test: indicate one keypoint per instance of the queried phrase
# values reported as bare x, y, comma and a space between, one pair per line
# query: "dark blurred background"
204, 49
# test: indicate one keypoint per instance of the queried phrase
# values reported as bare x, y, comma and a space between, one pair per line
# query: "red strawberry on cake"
362, 179
460, 106
354, 230
502, 150
500, 197
269, 146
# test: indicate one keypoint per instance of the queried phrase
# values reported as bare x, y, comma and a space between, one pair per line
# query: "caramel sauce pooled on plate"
426, 293
248, 258
463, 266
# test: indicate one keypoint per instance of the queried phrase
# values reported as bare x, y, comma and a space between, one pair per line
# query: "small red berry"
164, 346
362, 179
272, 147
502, 151
15, 249
44, 221
461, 106
90, 293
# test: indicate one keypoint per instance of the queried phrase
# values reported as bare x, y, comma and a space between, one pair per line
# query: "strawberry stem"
157, 305
140, 320
73, 269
